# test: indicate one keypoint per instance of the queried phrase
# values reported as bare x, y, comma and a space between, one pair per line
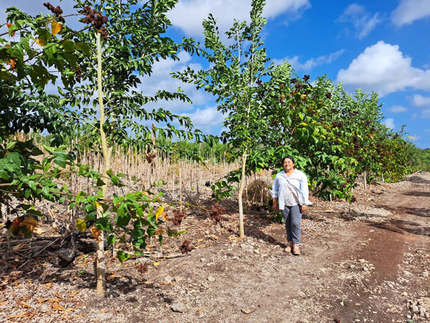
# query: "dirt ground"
368, 261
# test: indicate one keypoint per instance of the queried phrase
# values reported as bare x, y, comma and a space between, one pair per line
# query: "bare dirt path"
398, 246
363, 262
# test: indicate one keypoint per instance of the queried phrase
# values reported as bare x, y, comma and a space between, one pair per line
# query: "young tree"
132, 42
235, 72
125, 40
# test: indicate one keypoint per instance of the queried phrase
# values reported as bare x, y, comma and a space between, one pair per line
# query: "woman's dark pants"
293, 222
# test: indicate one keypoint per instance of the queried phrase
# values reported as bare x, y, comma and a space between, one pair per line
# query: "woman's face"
288, 165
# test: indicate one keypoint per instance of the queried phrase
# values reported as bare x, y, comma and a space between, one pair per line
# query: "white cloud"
207, 120
398, 109
420, 101
310, 63
389, 123
189, 14
410, 10
274, 8
362, 21
422, 113
383, 68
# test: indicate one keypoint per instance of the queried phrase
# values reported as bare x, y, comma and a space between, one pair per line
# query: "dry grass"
182, 178
257, 192
183, 181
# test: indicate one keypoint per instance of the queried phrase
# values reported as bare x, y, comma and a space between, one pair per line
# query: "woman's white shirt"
297, 180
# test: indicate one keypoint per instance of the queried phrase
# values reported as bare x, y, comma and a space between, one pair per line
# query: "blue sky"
381, 46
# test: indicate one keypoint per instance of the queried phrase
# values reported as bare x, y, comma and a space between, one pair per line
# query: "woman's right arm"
274, 194
275, 205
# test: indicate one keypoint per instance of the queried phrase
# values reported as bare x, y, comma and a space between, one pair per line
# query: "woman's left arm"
305, 191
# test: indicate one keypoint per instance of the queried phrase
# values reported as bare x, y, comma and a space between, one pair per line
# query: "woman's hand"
275, 206
303, 208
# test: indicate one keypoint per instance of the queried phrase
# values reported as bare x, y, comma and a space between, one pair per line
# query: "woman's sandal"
296, 250
288, 248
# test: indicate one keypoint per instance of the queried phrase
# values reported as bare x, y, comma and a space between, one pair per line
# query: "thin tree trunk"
180, 188
241, 187
101, 269
365, 181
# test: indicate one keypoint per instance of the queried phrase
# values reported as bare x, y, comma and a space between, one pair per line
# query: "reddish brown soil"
363, 262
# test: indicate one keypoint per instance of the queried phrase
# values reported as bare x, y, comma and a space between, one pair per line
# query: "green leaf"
32, 185
4, 175
27, 193
100, 182
90, 208
49, 149
46, 167
104, 224
122, 256
60, 161
83, 47
68, 46
123, 220
14, 158
151, 230
115, 180
111, 239
12, 168
45, 191
121, 210
10, 145
104, 206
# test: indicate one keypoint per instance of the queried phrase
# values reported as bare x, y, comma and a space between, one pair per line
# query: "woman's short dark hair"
288, 157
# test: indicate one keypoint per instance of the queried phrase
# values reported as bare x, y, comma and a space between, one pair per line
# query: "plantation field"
115, 208
362, 262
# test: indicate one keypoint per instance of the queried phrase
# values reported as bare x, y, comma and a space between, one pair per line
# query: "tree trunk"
365, 180
241, 187
101, 267
101, 270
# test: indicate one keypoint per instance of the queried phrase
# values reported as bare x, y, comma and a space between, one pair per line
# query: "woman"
290, 194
